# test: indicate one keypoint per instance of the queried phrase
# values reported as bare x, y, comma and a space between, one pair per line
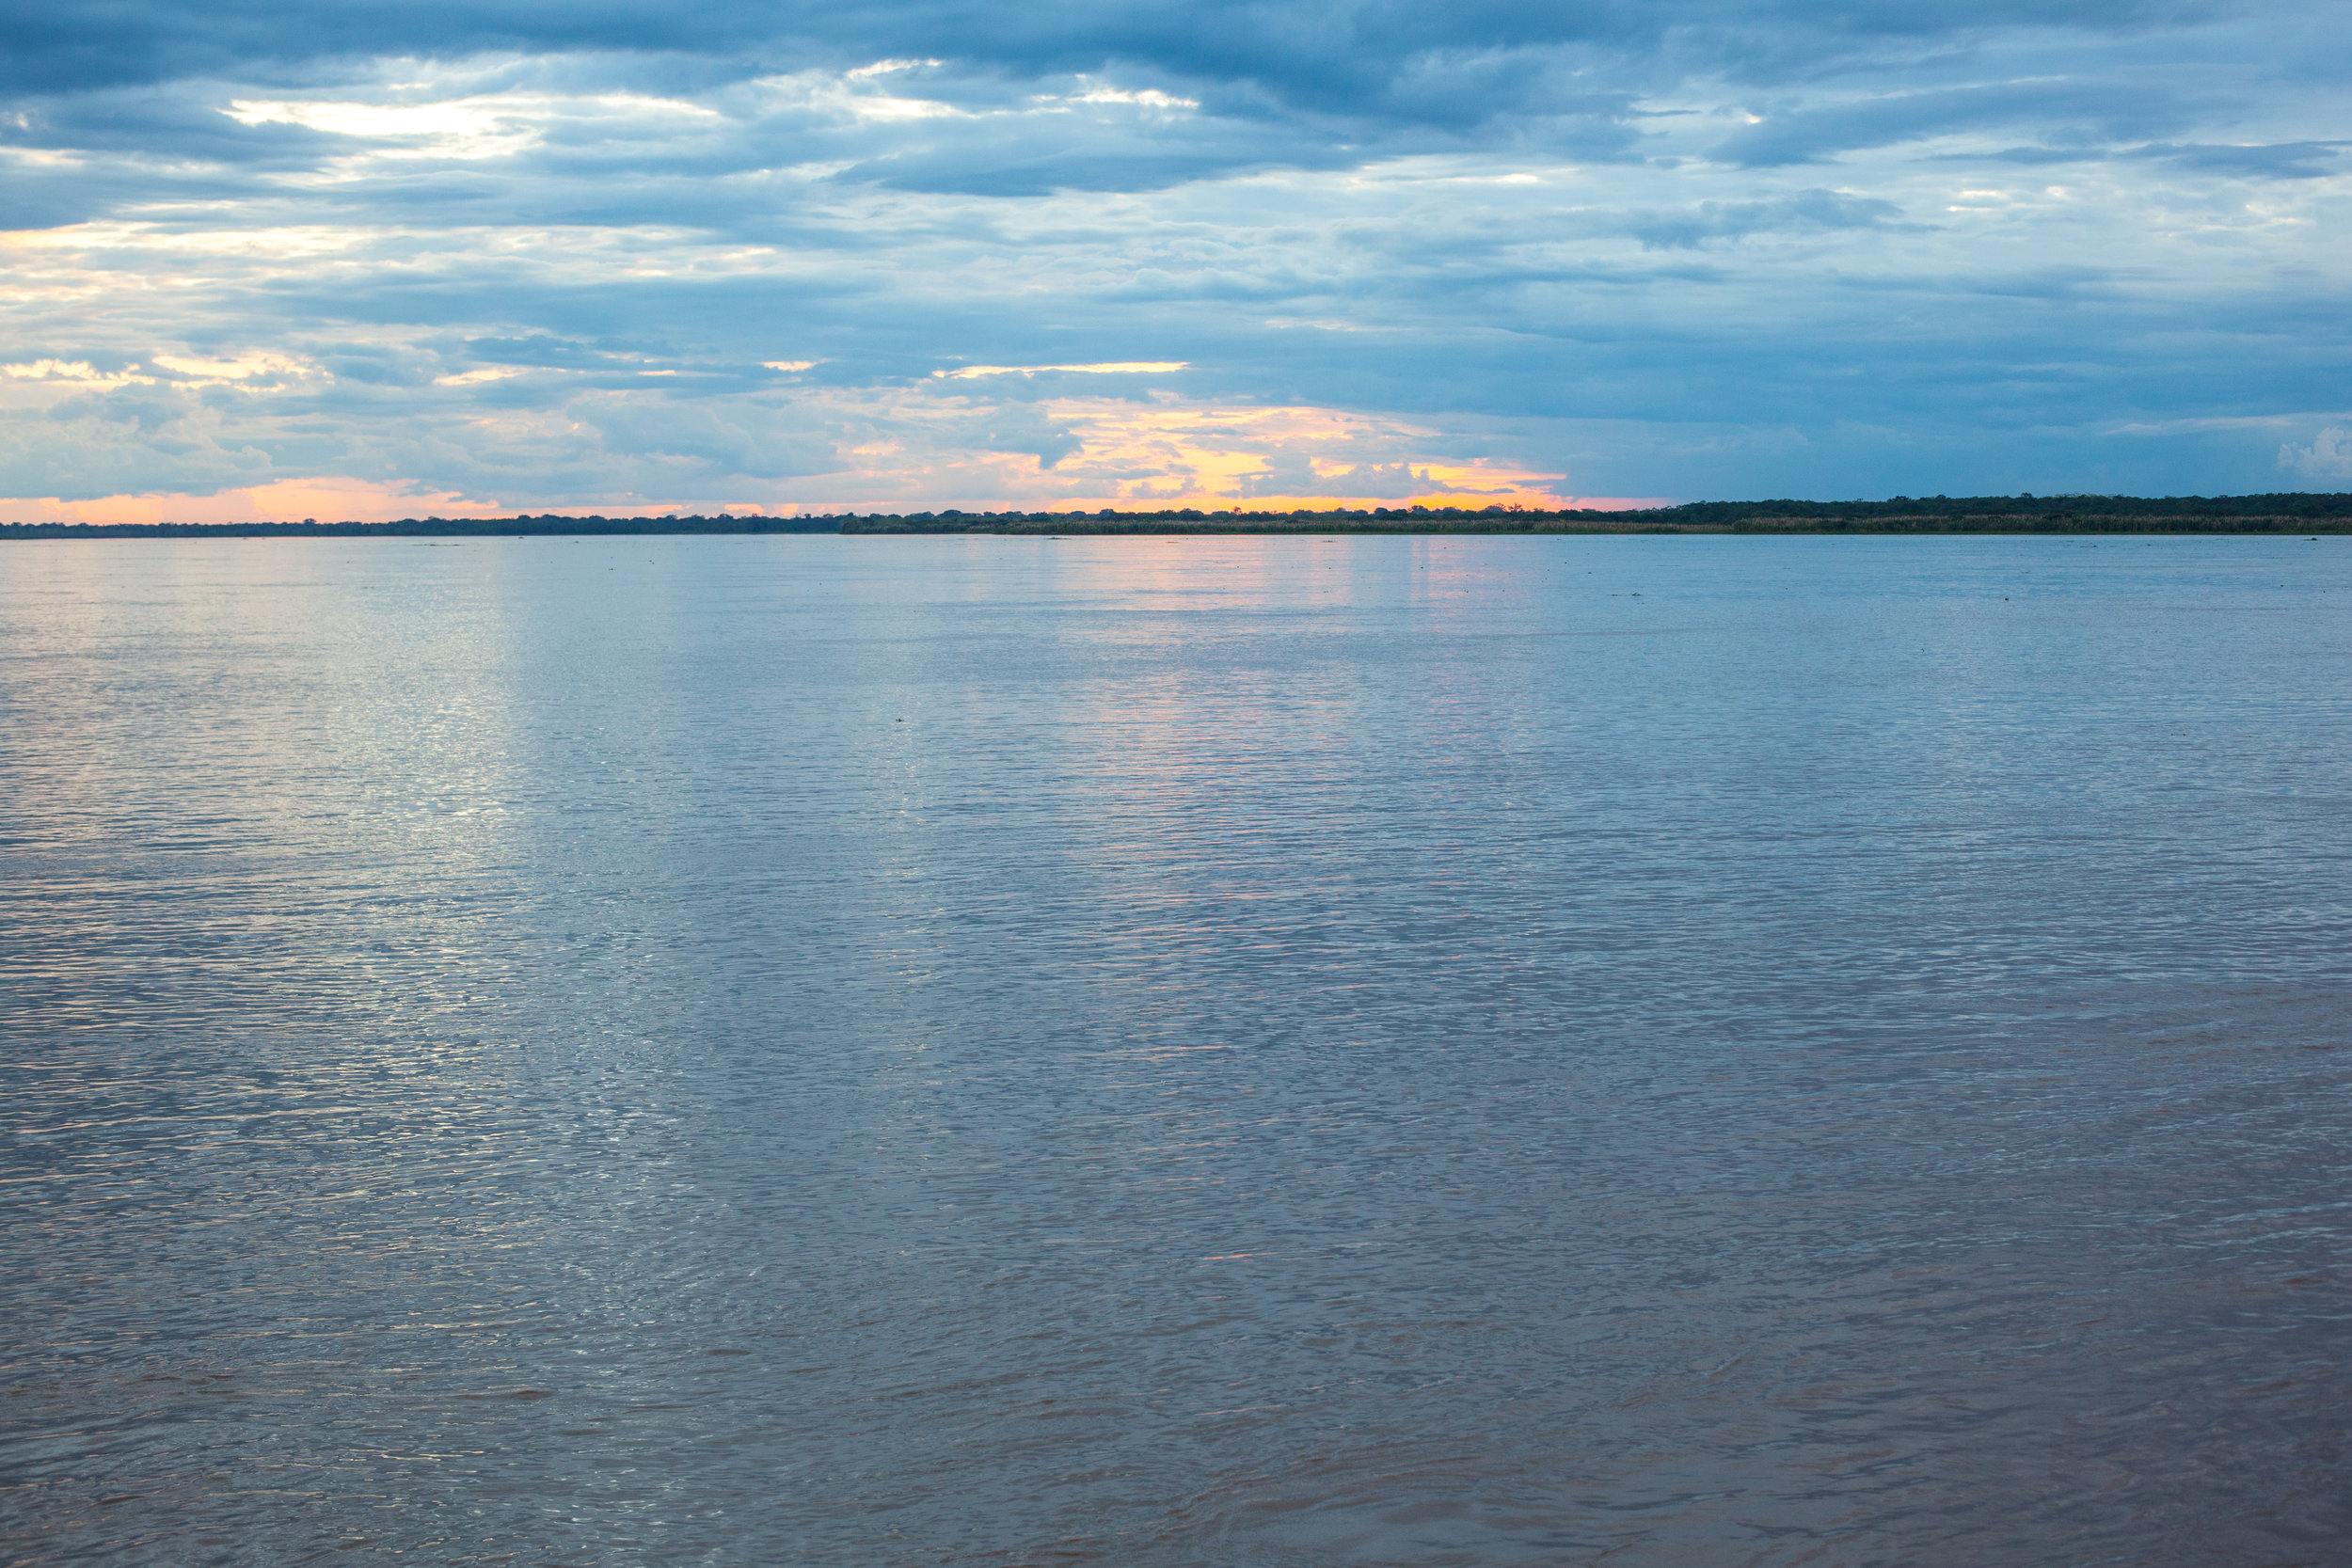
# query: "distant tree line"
2285, 512
432, 528
2272, 513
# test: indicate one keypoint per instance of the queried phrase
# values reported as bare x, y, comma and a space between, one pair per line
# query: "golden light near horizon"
1166, 453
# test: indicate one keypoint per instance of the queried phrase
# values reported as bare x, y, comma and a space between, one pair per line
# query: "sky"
265, 259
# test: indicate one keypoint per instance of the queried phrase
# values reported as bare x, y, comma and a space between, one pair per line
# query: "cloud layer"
914, 255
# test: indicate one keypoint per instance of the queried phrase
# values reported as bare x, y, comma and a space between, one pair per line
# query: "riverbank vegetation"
2288, 512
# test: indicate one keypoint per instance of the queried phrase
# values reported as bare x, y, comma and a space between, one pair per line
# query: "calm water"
1654, 1051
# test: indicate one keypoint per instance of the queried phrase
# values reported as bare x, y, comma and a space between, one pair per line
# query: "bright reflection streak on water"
1684, 1051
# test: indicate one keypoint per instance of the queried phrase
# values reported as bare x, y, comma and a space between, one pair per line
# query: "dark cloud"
711, 440
550, 353
1396, 56
2301, 160
1020, 430
2296, 160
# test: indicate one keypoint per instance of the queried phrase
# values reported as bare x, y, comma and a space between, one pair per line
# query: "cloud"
2301, 160
257, 367
1804, 209
2329, 457
928, 255
892, 447
1115, 367
1322, 53
78, 371
1812, 133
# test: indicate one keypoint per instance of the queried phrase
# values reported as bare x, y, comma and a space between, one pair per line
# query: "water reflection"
1254, 1051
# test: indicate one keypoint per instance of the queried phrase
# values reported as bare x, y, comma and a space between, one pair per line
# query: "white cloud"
461, 129
488, 372
76, 371
1148, 98
258, 365
2328, 456
1112, 367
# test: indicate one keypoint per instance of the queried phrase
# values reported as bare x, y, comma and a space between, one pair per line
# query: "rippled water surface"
1646, 1051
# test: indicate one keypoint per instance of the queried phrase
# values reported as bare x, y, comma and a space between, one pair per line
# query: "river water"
1650, 1051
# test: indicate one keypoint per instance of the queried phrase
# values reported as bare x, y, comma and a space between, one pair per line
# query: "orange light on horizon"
327, 498
1156, 456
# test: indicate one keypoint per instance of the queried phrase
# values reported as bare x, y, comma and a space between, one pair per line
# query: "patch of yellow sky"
1215, 458
1167, 453
186, 370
